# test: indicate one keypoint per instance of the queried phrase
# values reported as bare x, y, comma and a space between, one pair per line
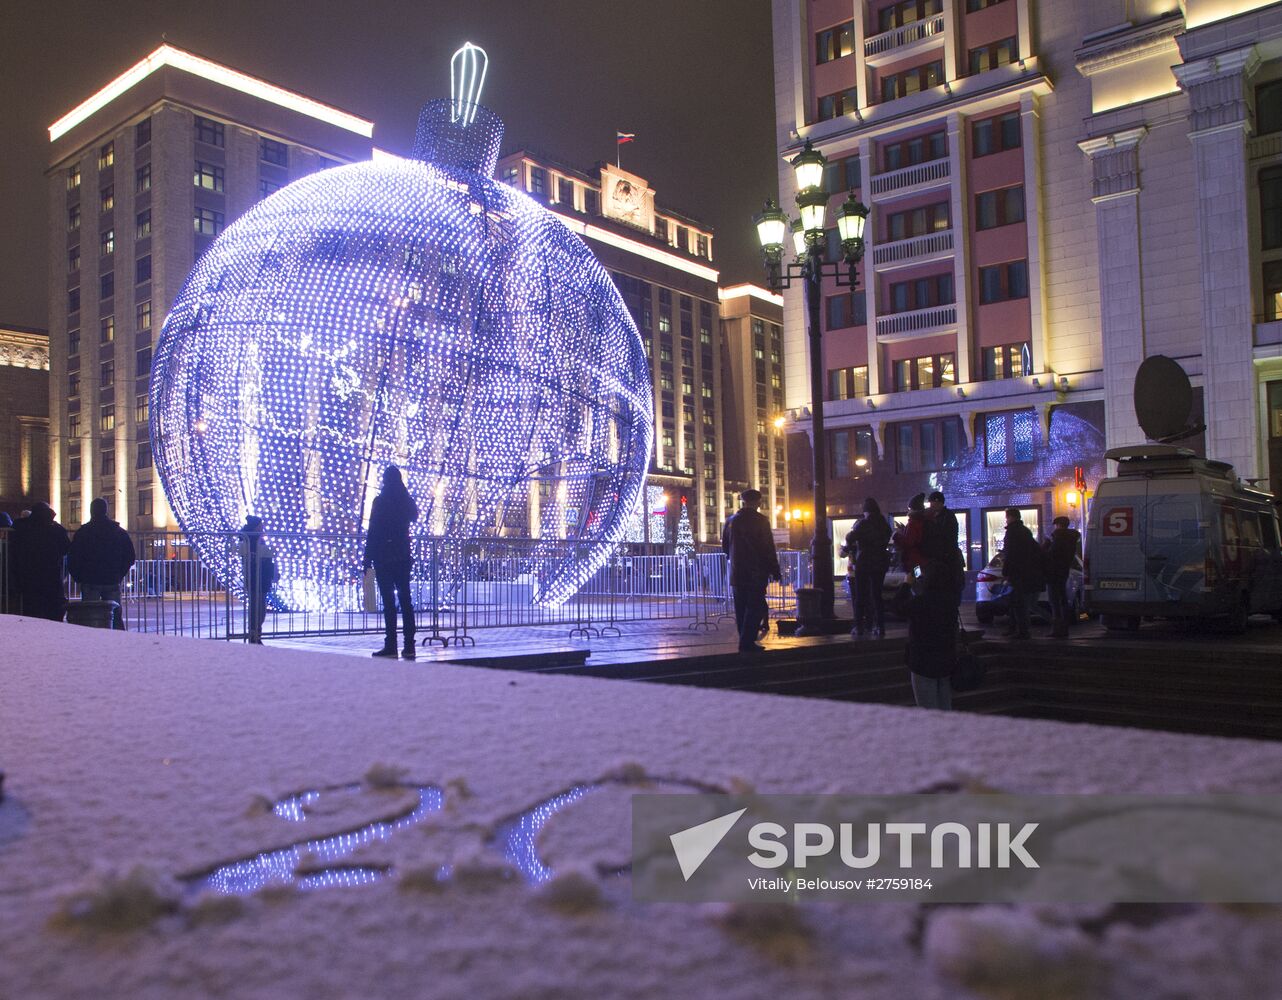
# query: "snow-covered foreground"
132, 761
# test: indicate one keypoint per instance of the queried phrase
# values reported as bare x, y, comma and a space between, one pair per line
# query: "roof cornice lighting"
756, 291
167, 55
640, 249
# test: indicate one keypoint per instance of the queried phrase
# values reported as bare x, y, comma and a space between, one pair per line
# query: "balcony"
890, 44
916, 250
918, 323
912, 179
1264, 147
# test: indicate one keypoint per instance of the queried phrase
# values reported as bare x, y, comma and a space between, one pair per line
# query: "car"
992, 593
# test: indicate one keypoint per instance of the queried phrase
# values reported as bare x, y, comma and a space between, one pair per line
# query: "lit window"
208, 222
107, 198
835, 42
107, 330
208, 176
142, 408
107, 418
73, 177
991, 56
142, 315
107, 242
106, 155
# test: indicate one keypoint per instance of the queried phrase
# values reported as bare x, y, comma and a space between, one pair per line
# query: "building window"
108, 463
107, 198
921, 293
73, 218
142, 408
107, 285
142, 179
1273, 289
271, 151
930, 372
1271, 208
991, 56
1002, 282
565, 192
73, 300
107, 329
144, 455
701, 247
995, 135
661, 229
208, 176
835, 42
73, 429
839, 455
999, 208
512, 176
73, 259
73, 177
591, 201
1268, 108
909, 152
142, 133
911, 81
107, 242
843, 102
106, 374
896, 15
73, 383
848, 383
209, 131
842, 175
73, 342
73, 473
208, 222
538, 182
845, 310
144, 502
1009, 437
142, 315
920, 221
142, 269
107, 418
106, 155
927, 446
1008, 361
974, 5
142, 229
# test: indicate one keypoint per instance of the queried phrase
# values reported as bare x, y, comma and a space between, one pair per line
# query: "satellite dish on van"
1163, 399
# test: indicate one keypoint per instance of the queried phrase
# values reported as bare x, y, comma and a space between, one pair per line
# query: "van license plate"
1118, 585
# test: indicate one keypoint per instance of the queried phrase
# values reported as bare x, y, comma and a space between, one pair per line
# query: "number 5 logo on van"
1119, 521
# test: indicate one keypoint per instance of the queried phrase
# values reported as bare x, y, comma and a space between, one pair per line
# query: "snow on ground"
133, 759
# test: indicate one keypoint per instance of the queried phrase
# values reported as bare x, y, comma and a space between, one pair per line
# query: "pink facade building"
1058, 190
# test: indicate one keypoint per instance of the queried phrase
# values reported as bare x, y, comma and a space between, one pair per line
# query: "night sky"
692, 78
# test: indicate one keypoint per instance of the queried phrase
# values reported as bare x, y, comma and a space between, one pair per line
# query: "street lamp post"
810, 269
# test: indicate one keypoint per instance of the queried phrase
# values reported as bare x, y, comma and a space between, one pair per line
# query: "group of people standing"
41, 557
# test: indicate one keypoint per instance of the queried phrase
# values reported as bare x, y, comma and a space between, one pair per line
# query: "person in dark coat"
1022, 568
387, 549
866, 546
39, 549
932, 634
910, 540
942, 534
1061, 551
101, 554
750, 544
258, 564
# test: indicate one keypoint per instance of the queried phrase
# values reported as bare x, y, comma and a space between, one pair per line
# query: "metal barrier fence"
458, 587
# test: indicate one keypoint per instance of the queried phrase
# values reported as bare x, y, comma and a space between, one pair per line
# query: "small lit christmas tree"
685, 537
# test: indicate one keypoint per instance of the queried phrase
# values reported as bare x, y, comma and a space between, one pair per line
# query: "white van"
1177, 536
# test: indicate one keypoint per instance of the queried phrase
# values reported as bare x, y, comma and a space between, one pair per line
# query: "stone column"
868, 282
1217, 93
959, 211
1115, 193
1029, 115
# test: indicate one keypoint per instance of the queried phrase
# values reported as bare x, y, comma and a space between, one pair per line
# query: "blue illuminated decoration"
410, 312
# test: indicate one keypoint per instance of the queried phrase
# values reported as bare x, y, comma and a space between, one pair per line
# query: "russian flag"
622, 137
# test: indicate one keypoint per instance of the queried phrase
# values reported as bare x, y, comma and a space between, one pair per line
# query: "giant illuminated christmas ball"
408, 312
